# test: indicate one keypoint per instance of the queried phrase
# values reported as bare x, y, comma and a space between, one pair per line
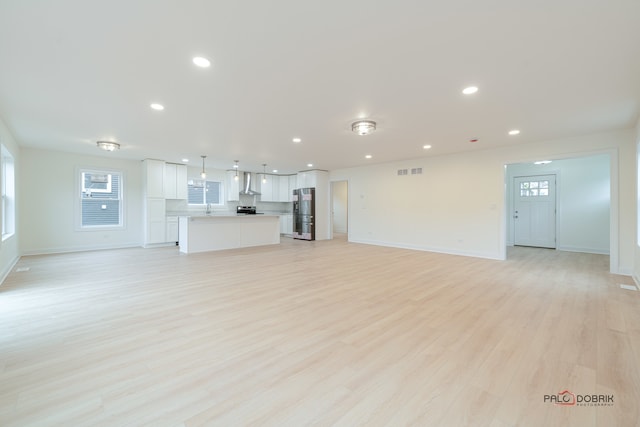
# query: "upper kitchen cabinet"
233, 186
175, 181
283, 189
312, 178
293, 182
154, 178
268, 185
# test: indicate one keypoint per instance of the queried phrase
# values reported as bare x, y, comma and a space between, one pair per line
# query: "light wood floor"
316, 333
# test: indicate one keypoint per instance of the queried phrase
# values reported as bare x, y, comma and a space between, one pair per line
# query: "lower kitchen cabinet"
286, 224
172, 229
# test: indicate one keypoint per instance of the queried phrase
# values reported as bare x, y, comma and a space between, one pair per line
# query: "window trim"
79, 190
221, 192
8, 218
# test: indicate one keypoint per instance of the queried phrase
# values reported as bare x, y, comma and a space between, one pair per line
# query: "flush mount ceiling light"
108, 145
201, 62
470, 90
157, 107
203, 174
363, 127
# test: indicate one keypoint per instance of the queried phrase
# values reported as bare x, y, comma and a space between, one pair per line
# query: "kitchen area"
230, 208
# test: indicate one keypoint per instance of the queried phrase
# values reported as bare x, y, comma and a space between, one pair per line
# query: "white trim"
636, 279
8, 270
599, 251
447, 251
62, 250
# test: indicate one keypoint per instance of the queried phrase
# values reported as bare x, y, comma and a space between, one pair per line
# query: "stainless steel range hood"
246, 185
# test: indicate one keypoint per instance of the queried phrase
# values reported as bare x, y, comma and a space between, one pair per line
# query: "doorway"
534, 211
340, 208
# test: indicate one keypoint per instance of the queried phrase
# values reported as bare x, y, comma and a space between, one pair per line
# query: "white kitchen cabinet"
233, 186
310, 179
155, 221
267, 184
286, 224
172, 229
175, 181
283, 189
293, 182
154, 178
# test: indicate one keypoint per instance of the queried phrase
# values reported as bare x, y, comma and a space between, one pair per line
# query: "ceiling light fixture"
297, 140
368, 156
514, 132
201, 62
470, 90
185, 160
236, 168
157, 107
203, 174
363, 127
264, 173
108, 145
275, 171
426, 147
309, 165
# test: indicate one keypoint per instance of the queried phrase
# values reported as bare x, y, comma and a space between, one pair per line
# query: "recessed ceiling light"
185, 160
368, 156
426, 147
157, 107
514, 132
201, 62
275, 171
469, 90
542, 162
309, 165
297, 140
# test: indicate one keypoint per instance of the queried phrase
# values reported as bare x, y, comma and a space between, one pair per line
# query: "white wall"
583, 199
339, 206
458, 204
49, 208
636, 265
10, 248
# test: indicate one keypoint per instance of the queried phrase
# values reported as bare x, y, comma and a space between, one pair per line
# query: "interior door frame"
614, 200
348, 184
556, 174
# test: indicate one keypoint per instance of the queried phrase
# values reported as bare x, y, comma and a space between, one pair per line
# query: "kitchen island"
217, 232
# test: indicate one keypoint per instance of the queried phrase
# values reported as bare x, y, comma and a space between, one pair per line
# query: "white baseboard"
598, 251
62, 250
428, 249
7, 270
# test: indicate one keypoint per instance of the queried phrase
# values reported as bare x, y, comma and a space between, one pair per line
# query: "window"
204, 192
100, 199
534, 188
8, 194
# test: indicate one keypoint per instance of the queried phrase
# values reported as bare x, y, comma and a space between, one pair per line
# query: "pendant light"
264, 173
236, 168
203, 174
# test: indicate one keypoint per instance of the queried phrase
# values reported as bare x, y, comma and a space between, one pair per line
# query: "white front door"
534, 214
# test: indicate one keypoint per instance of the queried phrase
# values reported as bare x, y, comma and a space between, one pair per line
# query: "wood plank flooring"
323, 333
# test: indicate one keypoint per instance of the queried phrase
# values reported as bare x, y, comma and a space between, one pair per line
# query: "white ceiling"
76, 71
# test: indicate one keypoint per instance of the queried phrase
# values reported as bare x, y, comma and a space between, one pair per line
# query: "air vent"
403, 172
416, 171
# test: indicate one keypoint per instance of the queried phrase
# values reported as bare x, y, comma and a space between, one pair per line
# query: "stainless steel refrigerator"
304, 211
